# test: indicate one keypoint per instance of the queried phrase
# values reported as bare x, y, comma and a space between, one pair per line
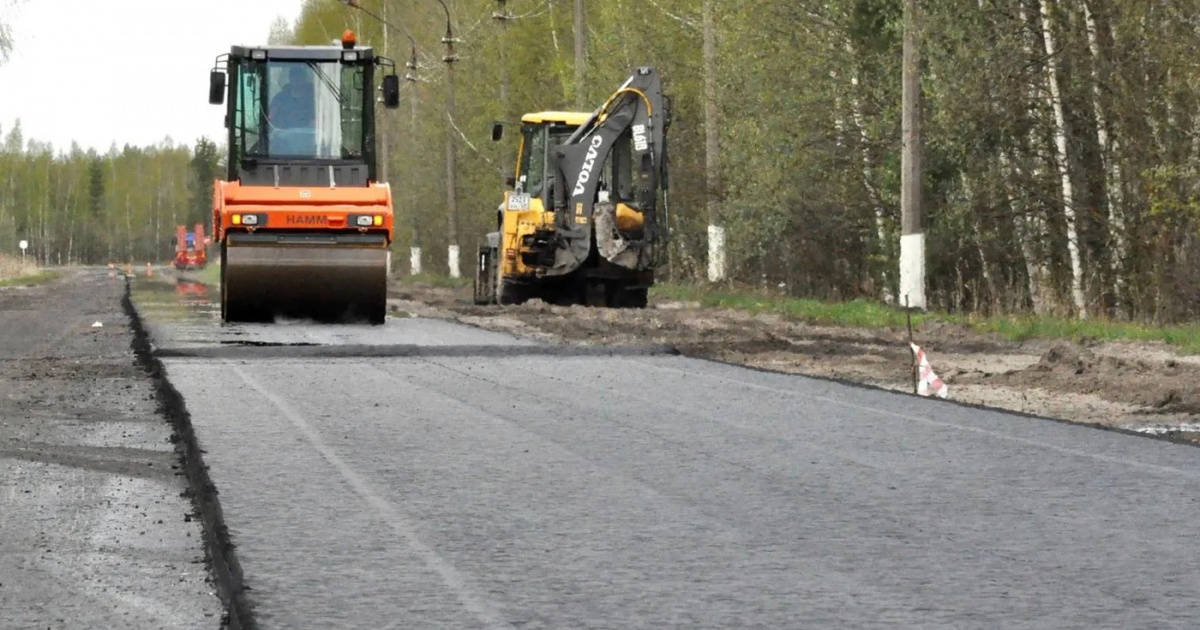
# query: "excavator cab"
304, 226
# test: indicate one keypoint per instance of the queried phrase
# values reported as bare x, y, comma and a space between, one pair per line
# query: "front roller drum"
324, 278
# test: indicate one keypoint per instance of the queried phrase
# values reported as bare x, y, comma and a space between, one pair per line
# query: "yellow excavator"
581, 223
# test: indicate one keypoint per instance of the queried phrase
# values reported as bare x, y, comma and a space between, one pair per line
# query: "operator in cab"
292, 114
293, 106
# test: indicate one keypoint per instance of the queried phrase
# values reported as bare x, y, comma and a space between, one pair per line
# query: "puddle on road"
176, 299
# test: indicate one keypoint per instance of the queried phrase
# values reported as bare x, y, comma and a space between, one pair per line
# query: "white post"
24, 245
453, 255
716, 253
912, 270
414, 260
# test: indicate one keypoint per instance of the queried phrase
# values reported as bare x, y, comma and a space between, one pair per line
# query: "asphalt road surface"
466, 486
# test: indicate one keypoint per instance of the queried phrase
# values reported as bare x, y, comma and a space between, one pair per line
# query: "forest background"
1061, 143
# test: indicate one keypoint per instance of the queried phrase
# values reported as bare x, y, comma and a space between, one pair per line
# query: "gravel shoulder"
97, 529
1145, 387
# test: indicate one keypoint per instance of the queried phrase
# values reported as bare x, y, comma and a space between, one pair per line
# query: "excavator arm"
615, 162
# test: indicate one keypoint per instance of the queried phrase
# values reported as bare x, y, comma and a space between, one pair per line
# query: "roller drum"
326, 277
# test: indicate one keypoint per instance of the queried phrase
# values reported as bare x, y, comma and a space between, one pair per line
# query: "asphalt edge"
1166, 437
222, 557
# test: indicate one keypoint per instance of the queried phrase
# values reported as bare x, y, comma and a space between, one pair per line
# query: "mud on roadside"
1147, 387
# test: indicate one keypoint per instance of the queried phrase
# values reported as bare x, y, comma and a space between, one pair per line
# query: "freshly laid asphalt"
551, 489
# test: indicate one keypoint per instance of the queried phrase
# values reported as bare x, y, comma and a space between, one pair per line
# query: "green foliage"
84, 207
204, 170
6, 36
810, 140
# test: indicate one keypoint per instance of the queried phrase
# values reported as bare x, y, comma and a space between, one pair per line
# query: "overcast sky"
123, 71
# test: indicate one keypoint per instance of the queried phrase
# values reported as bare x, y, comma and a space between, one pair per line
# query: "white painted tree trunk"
452, 256
414, 259
1112, 174
716, 253
1064, 170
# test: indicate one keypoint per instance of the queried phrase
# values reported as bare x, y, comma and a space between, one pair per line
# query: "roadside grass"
1185, 337
14, 273
29, 279
868, 314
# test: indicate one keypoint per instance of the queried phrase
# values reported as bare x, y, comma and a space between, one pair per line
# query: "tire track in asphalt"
846, 580
483, 609
650, 403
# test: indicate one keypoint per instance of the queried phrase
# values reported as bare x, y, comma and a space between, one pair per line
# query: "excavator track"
325, 277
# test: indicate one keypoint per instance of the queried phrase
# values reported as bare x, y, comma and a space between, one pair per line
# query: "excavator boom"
628, 132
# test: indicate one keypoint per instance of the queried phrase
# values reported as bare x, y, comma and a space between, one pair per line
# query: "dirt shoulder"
1142, 386
95, 529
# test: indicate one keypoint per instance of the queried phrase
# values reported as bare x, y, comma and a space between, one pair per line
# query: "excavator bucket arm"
636, 110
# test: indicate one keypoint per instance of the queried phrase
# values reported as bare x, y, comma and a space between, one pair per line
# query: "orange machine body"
293, 208
194, 256
199, 254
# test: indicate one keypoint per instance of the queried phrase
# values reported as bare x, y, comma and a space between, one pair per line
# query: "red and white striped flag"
929, 382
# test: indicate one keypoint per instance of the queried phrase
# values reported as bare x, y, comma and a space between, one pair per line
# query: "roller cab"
303, 226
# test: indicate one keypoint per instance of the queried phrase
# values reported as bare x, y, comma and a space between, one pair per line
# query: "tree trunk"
884, 251
976, 224
1063, 161
580, 58
1112, 167
1028, 232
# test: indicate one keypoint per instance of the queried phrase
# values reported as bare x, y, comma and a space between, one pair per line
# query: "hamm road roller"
303, 227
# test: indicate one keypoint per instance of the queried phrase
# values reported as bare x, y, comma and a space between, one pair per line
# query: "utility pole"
912, 238
580, 57
451, 166
410, 77
382, 124
414, 256
712, 150
384, 145
502, 16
